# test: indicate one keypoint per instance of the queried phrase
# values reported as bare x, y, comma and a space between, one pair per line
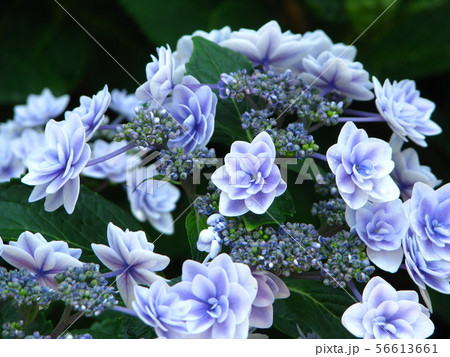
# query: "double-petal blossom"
408, 114
40, 108
55, 170
44, 259
195, 110
385, 313
427, 246
249, 180
382, 226
131, 256
92, 110
362, 166
220, 297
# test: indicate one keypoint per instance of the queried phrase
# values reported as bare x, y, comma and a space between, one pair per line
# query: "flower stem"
124, 310
110, 127
316, 155
360, 113
327, 90
355, 291
195, 86
110, 155
375, 118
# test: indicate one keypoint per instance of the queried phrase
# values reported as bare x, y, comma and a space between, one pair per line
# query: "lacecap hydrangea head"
427, 245
408, 114
249, 180
362, 166
385, 313
382, 227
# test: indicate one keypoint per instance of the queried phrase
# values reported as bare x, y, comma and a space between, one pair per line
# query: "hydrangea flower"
209, 239
162, 309
385, 313
43, 259
29, 141
270, 287
55, 169
220, 296
408, 170
315, 42
114, 169
382, 227
10, 165
362, 166
427, 246
124, 103
185, 47
40, 108
195, 109
131, 256
405, 111
1, 246
152, 200
160, 80
267, 47
249, 180
329, 72
92, 110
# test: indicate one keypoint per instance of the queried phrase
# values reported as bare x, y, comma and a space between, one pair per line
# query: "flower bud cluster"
327, 187
178, 165
208, 204
344, 259
151, 127
21, 287
331, 212
85, 289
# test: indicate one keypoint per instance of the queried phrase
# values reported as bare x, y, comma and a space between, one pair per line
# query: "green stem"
63, 322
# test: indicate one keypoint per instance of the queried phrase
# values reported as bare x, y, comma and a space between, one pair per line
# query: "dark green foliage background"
41, 46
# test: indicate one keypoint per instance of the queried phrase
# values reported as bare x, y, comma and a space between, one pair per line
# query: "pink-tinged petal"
108, 256
261, 317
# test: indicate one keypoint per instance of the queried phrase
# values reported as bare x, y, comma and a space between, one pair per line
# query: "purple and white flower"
152, 200
249, 180
221, 296
362, 166
162, 309
408, 170
131, 257
114, 169
405, 111
270, 287
427, 246
10, 164
385, 313
329, 72
1, 246
267, 47
124, 103
195, 109
40, 109
43, 259
382, 226
160, 77
92, 110
29, 141
55, 170
209, 239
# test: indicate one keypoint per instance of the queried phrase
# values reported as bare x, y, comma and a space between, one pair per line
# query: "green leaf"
313, 307
228, 122
209, 60
281, 208
194, 225
86, 225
